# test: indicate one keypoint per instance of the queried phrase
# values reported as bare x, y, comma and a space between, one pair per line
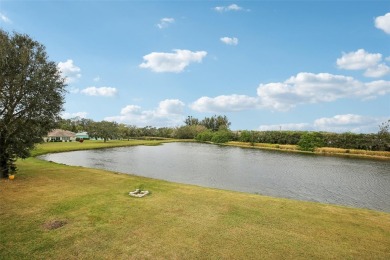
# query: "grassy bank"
329, 151
55, 147
62, 212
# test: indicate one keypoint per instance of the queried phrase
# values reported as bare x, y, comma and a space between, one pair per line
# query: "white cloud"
362, 60
70, 71
285, 127
225, 103
170, 107
67, 115
168, 113
378, 71
348, 122
337, 123
232, 7
304, 88
130, 109
102, 91
171, 62
229, 40
315, 88
165, 22
383, 23
4, 18
96, 79
358, 60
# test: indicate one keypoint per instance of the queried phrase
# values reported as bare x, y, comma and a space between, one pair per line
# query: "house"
59, 135
82, 135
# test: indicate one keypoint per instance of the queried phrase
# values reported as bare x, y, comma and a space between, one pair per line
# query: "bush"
310, 140
188, 132
204, 136
221, 137
246, 136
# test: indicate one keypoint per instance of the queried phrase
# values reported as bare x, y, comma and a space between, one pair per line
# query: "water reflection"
351, 182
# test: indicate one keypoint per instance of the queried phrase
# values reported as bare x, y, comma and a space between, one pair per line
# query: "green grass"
55, 147
101, 221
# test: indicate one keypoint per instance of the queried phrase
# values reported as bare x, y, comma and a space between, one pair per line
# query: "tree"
383, 136
216, 123
31, 97
191, 121
311, 140
105, 129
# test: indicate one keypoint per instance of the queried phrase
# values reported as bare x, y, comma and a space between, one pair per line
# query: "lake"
344, 181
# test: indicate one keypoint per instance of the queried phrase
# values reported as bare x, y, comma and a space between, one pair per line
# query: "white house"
59, 135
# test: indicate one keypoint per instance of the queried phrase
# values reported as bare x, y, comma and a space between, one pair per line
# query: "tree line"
217, 129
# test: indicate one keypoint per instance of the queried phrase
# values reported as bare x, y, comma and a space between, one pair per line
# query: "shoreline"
323, 151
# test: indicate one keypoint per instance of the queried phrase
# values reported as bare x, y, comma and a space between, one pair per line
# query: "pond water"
344, 181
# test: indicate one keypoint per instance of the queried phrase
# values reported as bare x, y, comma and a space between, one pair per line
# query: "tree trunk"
3, 164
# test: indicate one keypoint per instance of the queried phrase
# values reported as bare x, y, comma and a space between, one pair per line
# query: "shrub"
204, 136
221, 137
246, 136
310, 140
188, 132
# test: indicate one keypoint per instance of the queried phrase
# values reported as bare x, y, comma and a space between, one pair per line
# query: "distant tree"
105, 130
246, 136
383, 136
165, 132
188, 132
31, 97
216, 123
310, 140
204, 136
191, 121
221, 136
124, 131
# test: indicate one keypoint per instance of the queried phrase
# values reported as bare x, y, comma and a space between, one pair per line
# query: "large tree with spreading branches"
31, 97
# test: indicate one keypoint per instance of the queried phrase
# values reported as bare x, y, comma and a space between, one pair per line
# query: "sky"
266, 65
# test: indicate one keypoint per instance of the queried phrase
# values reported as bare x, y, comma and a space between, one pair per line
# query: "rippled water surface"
344, 181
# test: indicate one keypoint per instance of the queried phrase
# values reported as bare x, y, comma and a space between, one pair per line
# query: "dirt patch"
54, 224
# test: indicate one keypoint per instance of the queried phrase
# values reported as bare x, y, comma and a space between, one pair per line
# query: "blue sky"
290, 65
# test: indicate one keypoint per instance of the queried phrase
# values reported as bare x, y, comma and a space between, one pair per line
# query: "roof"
61, 133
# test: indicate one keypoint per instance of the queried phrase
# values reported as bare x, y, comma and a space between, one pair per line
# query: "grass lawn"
53, 211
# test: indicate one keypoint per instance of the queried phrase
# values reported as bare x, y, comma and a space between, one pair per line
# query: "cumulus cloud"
225, 103
347, 122
304, 88
337, 123
165, 22
362, 60
358, 60
4, 18
315, 88
171, 62
168, 113
102, 91
378, 71
229, 40
69, 71
232, 7
130, 109
383, 23
67, 115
